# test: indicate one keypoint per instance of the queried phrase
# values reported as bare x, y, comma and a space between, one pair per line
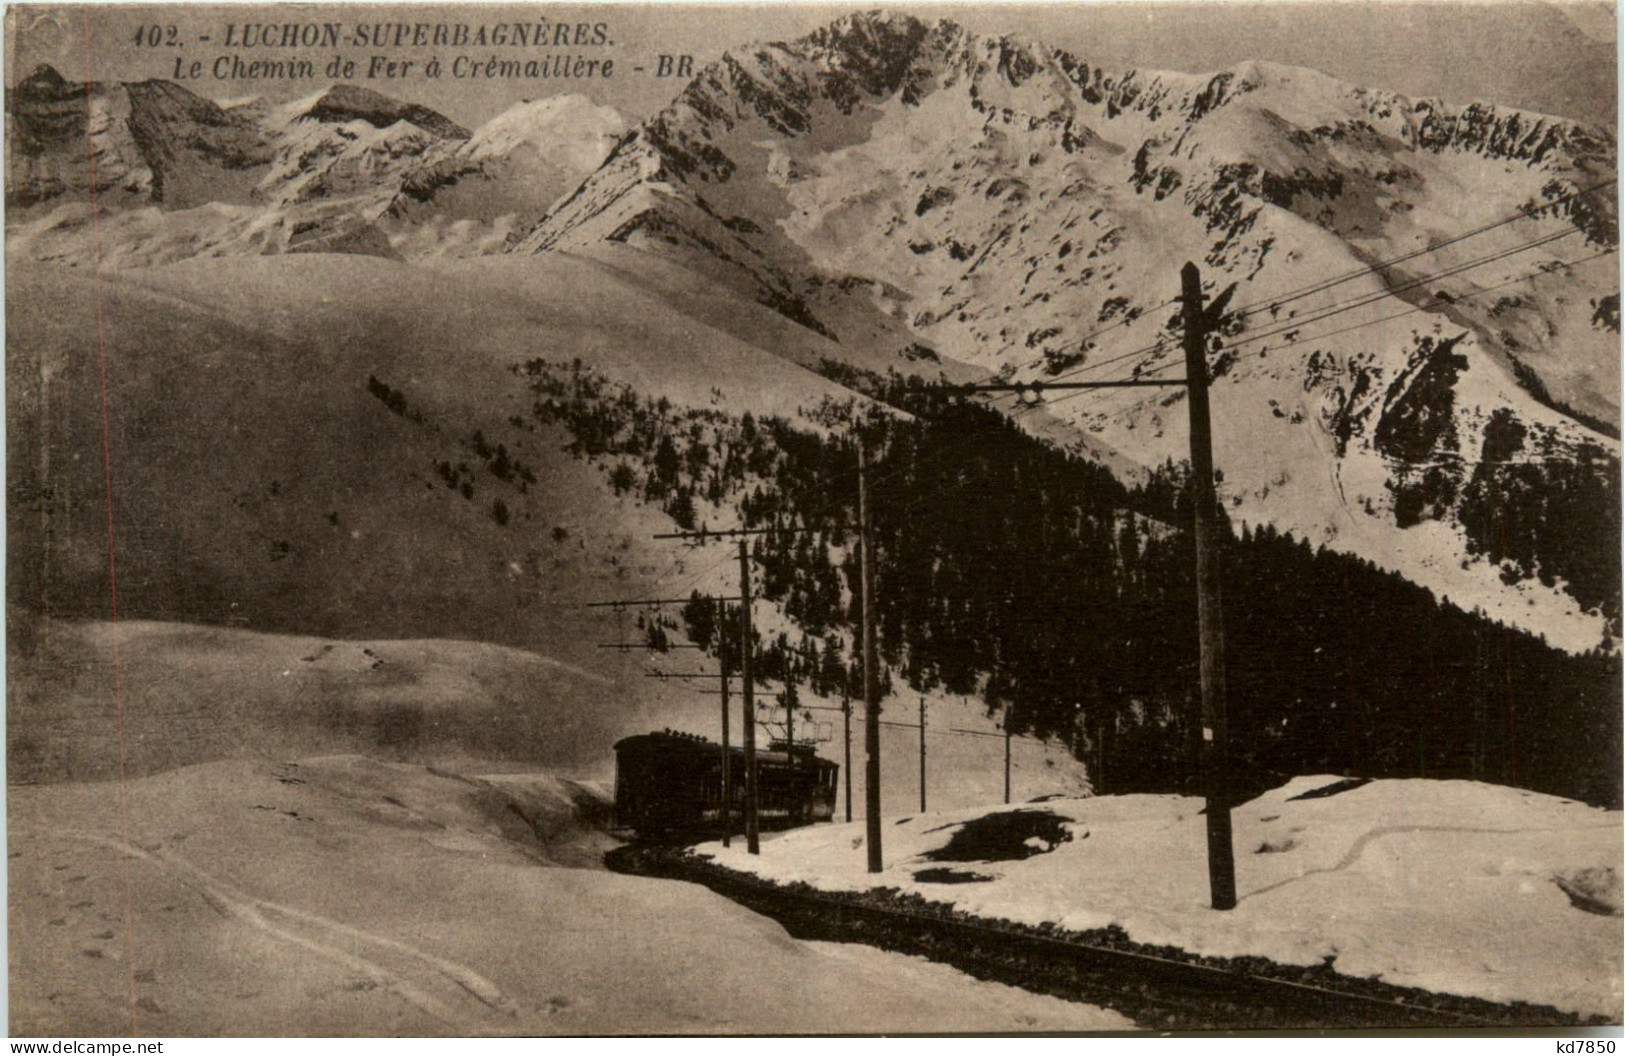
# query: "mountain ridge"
914, 194
1009, 207
180, 175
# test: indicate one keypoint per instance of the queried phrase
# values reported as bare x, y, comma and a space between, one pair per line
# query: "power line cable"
1254, 307
1312, 338
1436, 303
1308, 290
1327, 311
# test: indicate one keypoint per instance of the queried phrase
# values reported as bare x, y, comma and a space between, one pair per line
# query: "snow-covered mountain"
346, 169
912, 193
500, 181
1014, 208
150, 142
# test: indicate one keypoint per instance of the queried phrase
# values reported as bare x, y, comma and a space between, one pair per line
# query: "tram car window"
671, 782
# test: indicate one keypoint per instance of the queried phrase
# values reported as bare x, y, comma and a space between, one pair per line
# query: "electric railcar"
672, 782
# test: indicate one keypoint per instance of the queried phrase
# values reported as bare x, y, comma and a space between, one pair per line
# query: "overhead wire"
1317, 314
1328, 311
1310, 289
1436, 302
1360, 300
1289, 296
1324, 312
1253, 307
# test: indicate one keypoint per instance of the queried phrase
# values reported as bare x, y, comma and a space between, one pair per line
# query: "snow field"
1450, 886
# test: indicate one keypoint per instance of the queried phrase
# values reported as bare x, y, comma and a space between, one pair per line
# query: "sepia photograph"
802, 519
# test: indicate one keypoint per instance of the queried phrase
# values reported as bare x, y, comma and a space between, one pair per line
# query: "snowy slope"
503, 178
1450, 886
898, 192
342, 533
891, 183
342, 896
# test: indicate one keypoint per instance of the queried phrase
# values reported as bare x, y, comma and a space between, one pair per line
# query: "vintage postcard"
773, 519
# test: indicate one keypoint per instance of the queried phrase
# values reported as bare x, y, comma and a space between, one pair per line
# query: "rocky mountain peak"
343, 169
347, 102
889, 183
876, 45
45, 84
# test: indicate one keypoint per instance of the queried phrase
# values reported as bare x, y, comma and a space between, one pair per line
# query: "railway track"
1156, 991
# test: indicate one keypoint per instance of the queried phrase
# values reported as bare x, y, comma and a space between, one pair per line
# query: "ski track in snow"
1357, 849
415, 976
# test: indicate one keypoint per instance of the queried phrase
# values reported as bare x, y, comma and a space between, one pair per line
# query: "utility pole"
752, 840
654, 604
1215, 745
1215, 725
1007, 758
871, 709
1008, 737
1099, 781
727, 776
922, 754
846, 719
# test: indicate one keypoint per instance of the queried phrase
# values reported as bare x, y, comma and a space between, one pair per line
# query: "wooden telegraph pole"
745, 642
846, 719
871, 706
752, 837
1007, 758
727, 776
724, 815
922, 755
1215, 748
1099, 776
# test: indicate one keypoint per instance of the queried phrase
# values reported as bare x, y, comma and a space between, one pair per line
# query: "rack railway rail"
1157, 989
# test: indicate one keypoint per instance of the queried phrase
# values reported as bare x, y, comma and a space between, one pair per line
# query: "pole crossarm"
1043, 386
729, 533
984, 733
626, 604
696, 689
1210, 317
627, 647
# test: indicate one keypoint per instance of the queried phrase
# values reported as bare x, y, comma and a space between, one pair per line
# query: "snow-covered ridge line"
894, 184
343, 169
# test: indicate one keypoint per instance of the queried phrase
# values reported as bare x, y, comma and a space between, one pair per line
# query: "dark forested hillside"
1066, 600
